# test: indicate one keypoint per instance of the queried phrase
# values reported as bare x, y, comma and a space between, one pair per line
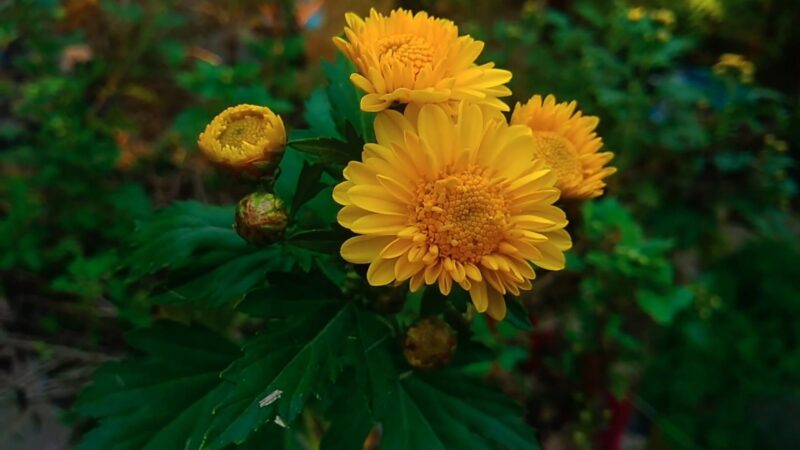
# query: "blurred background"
677, 322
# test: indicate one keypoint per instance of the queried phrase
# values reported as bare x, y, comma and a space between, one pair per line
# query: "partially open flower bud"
246, 138
429, 344
261, 218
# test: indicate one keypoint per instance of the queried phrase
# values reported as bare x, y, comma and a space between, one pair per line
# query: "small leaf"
329, 150
345, 99
161, 399
516, 314
664, 308
300, 355
308, 185
327, 241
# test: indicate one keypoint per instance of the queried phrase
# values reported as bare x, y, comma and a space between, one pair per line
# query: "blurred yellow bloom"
443, 200
636, 14
664, 16
731, 62
244, 136
778, 144
405, 58
565, 140
702, 9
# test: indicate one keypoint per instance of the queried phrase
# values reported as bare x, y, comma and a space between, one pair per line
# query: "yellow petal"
380, 272
376, 199
363, 249
479, 295
379, 224
497, 305
436, 131
552, 258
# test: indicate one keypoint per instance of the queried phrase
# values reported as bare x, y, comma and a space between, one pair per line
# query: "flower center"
462, 215
558, 153
412, 51
250, 129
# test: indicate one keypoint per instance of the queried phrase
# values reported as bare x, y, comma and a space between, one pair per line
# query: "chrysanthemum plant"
407, 210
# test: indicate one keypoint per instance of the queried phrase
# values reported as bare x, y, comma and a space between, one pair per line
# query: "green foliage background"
675, 319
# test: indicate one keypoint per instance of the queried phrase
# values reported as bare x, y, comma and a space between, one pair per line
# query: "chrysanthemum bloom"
244, 137
440, 201
405, 57
566, 141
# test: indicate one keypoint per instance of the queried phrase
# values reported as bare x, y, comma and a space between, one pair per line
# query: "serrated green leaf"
345, 99
174, 233
290, 294
516, 314
318, 114
327, 241
664, 308
308, 185
199, 255
329, 150
375, 371
296, 357
351, 420
447, 410
162, 399
441, 410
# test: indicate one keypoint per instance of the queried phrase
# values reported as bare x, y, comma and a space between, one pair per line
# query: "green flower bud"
261, 218
429, 344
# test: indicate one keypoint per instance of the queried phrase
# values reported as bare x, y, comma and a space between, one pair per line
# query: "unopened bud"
430, 344
261, 218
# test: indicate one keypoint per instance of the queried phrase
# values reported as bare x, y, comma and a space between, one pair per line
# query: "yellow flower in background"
405, 58
706, 9
443, 200
636, 14
566, 141
664, 16
244, 135
731, 62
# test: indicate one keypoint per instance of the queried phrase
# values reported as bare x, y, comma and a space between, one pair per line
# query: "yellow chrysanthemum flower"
444, 200
566, 141
405, 58
243, 136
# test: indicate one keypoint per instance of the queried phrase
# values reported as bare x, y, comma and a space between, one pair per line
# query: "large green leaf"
299, 355
199, 255
161, 399
345, 100
174, 234
334, 111
441, 410
447, 410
